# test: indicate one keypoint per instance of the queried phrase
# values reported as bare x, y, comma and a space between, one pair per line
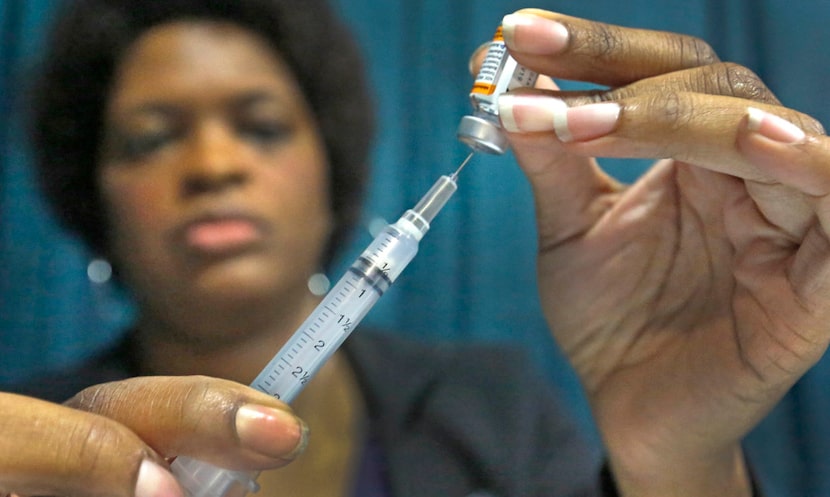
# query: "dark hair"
89, 38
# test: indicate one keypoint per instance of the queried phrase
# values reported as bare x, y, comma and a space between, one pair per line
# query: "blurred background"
474, 277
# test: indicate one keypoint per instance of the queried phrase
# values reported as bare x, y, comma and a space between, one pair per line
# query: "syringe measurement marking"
307, 336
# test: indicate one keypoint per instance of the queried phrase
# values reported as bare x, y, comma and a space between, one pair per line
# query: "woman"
213, 165
216, 155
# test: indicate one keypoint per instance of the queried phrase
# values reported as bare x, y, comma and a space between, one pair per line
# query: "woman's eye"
265, 132
131, 147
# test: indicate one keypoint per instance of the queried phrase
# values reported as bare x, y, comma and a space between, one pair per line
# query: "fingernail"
155, 481
534, 34
271, 432
527, 113
773, 127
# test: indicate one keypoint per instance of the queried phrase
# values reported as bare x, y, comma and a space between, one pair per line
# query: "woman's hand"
690, 301
114, 439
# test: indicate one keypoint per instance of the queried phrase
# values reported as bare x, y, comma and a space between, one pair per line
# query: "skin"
96, 443
206, 123
230, 136
215, 181
688, 302
692, 300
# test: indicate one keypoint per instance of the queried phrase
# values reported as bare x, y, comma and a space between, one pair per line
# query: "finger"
801, 161
552, 168
692, 128
721, 78
784, 152
49, 449
572, 48
477, 58
695, 128
218, 421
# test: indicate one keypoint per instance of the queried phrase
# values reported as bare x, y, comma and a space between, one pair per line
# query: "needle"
455, 174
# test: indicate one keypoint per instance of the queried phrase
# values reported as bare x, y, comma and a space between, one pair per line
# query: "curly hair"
91, 36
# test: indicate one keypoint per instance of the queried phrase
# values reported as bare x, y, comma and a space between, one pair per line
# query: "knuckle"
202, 398
809, 124
605, 41
742, 82
59, 450
98, 448
817, 126
95, 446
696, 52
668, 114
97, 398
812, 125
93, 439
590, 97
676, 113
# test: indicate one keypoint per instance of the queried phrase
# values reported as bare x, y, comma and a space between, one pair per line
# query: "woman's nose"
215, 160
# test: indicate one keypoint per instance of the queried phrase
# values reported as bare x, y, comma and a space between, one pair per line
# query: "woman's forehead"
196, 56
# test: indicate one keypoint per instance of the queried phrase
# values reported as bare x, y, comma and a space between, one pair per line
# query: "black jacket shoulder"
461, 419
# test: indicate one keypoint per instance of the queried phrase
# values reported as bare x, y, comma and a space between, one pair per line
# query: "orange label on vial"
498, 36
483, 89
485, 83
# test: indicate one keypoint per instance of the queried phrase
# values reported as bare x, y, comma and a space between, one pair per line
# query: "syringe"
328, 326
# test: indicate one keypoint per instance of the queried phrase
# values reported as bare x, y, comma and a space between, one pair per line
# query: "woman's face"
213, 173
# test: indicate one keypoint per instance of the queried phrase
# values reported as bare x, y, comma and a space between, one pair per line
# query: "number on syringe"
301, 374
347, 324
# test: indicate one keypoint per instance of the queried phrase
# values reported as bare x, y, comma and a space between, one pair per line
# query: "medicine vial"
499, 73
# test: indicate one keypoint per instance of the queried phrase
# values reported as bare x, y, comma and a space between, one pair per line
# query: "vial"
499, 73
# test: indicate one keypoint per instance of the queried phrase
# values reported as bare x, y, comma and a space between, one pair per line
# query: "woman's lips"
221, 235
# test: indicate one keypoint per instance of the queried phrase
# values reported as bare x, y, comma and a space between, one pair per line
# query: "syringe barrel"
320, 335
337, 315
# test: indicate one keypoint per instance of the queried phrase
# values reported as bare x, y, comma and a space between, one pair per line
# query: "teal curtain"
50, 314
474, 277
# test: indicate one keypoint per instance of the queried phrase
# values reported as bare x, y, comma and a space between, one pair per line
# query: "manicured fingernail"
528, 113
773, 127
271, 432
534, 34
155, 481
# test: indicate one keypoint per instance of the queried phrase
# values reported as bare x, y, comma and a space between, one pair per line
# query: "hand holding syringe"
328, 326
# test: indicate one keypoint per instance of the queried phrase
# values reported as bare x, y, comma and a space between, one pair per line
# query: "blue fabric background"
474, 277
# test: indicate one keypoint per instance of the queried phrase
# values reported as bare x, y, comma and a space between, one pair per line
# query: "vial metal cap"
482, 135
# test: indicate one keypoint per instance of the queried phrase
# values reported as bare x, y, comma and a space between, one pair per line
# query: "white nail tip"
543, 114
509, 22
559, 110
508, 120
754, 118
